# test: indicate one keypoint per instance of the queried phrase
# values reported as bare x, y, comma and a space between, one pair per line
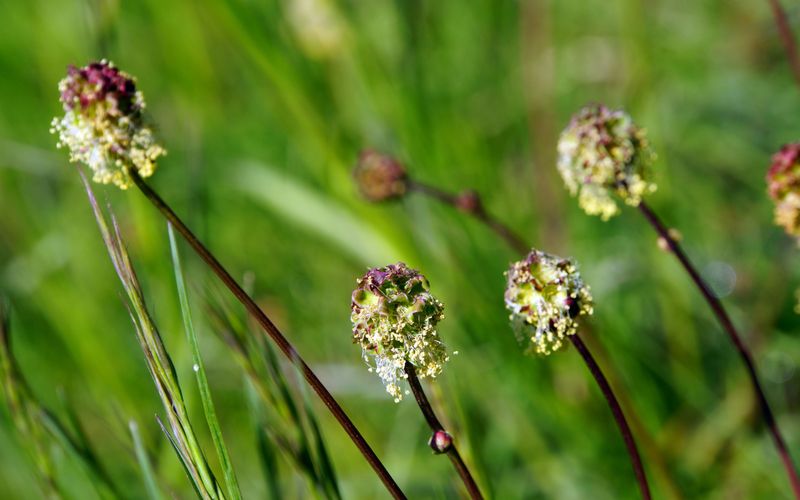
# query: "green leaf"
200, 372
148, 475
316, 212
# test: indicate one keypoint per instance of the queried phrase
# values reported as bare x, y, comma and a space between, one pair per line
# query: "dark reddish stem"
470, 203
727, 325
787, 37
436, 428
619, 417
283, 344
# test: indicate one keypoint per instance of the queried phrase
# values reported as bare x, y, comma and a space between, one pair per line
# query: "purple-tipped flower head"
783, 183
545, 295
394, 320
380, 177
102, 124
602, 152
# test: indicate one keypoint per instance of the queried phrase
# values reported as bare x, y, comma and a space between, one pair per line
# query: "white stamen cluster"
394, 320
545, 295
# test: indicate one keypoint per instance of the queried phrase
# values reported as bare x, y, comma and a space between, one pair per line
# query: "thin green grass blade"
266, 452
318, 213
327, 473
196, 481
88, 454
81, 453
22, 408
199, 370
148, 474
157, 359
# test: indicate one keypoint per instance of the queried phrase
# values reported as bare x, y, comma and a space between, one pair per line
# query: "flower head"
545, 295
317, 26
602, 152
102, 124
380, 177
783, 183
394, 320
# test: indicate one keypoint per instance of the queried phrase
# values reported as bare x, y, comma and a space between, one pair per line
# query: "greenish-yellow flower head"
394, 320
102, 124
545, 295
602, 153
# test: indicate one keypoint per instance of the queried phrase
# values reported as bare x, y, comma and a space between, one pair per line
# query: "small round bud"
102, 124
380, 177
440, 442
783, 183
602, 152
469, 202
394, 320
545, 295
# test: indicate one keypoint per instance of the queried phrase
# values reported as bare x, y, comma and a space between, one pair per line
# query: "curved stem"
741, 348
787, 38
624, 428
280, 340
470, 203
436, 427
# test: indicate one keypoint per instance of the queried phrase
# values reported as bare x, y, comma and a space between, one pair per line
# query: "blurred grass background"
264, 105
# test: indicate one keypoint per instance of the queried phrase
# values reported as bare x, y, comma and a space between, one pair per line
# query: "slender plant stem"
616, 409
280, 340
470, 203
787, 37
518, 244
727, 325
436, 427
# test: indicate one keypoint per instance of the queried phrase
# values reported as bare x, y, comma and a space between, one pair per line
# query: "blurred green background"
264, 106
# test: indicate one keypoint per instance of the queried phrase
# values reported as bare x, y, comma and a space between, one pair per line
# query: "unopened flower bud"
469, 202
602, 152
380, 177
394, 320
783, 183
102, 124
545, 295
440, 441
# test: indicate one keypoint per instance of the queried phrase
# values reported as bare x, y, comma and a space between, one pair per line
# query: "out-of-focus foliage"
264, 106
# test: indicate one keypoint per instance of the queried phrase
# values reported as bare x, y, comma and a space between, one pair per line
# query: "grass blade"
200, 372
148, 474
266, 451
24, 410
158, 361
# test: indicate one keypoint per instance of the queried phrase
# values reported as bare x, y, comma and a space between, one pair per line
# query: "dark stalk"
280, 340
470, 203
437, 428
741, 348
787, 37
619, 417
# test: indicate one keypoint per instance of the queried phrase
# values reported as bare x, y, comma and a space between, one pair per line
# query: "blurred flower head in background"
602, 152
783, 183
317, 26
545, 295
102, 124
394, 320
380, 177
